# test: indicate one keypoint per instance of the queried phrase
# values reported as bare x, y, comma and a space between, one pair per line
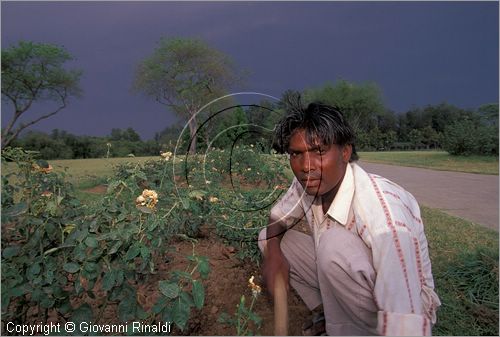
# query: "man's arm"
403, 288
285, 213
275, 262
403, 270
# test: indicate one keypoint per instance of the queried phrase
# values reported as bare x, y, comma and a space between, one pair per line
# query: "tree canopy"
33, 72
362, 103
185, 74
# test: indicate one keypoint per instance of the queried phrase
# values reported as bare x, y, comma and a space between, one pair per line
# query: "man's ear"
346, 152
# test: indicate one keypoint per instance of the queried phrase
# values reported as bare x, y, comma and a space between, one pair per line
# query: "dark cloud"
418, 52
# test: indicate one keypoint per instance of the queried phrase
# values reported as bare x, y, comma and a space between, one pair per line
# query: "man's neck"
328, 197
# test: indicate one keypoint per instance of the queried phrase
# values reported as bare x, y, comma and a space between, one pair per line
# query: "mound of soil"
99, 189
227, 281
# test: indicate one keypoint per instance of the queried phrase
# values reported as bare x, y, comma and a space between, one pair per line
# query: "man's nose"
308, 163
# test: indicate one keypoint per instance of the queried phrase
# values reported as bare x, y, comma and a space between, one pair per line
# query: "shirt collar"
339, 209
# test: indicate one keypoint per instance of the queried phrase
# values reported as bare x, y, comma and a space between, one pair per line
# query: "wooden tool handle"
280, 307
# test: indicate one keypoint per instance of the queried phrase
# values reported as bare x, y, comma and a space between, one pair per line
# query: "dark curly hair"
322, 122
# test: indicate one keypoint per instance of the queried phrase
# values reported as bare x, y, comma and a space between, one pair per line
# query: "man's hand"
274, 264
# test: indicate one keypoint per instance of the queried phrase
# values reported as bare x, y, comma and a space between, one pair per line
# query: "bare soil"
99, 189
228, 280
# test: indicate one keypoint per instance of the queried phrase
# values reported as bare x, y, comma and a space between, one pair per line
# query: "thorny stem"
140, 228
120, 191
168, 213
245, 322
164, 173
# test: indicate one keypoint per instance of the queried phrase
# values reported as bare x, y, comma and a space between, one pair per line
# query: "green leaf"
166, 314
79, 253
34, 269
90, 267
159, 305
91, 242
180, 313
59, 199
64, 307
145, 209
197, 194
71, 267
198, 294
186, 298
114, 184
185, 203
170, 290
109, 280
47, 302
203, 267
78, 286
127, 309
82, 314
10, 251
37, 295
225, 318
119, 277
16, 209
115, 247
182, 274
132, 252
18, 291
145, 252
140, 313
52, 229
49, 276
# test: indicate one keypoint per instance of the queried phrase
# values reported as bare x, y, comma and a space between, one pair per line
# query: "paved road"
470, 196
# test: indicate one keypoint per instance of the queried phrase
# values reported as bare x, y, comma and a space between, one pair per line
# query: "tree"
34, 72
185, 74
430, 138
167, 138
416, 138
489, 113
128, 134
361, 103
48, 147
234, 126
131, 135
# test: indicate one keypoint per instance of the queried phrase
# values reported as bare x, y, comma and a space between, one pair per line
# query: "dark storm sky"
419, 53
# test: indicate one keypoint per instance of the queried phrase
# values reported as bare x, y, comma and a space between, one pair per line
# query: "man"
366, 262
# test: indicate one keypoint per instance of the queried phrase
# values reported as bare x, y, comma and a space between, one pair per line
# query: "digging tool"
280, 307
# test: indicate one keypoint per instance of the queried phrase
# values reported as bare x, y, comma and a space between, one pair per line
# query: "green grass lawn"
437, 160
92, 171
464, 259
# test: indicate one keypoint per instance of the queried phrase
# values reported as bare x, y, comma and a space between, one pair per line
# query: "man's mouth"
311, 182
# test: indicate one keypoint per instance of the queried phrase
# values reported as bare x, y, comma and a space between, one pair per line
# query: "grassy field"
464, 259
85, 173
88, 172
436, 160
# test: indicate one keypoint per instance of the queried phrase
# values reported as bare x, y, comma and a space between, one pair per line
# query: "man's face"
319, 168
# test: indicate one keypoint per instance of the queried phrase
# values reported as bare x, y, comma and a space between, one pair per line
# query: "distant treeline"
186, 74
443, 126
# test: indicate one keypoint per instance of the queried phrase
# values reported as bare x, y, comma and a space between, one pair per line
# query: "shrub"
467, 137
57, 250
